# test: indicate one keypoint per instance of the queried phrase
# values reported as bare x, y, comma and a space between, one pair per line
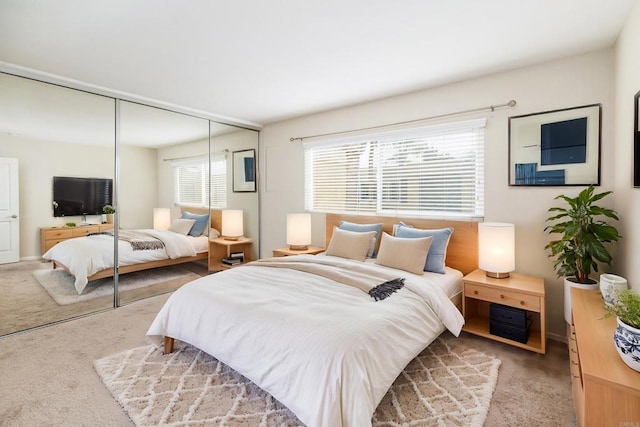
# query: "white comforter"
85, 256
327, 351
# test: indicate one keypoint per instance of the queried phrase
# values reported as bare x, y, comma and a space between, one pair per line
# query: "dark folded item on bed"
139, 240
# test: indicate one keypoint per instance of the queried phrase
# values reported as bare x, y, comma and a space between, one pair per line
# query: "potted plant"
627, 334
582, 243
109, 210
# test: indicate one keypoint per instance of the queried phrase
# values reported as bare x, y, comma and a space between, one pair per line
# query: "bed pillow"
350, 244
182, 226
363, 228
438, 249
408, 254
200, 226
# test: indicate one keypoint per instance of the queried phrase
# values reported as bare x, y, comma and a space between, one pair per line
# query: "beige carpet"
60, 284
447, 384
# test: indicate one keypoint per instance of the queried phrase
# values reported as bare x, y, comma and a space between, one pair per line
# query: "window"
192, 185
428, 171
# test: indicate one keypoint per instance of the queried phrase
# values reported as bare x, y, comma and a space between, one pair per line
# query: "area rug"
59, 283
448, 384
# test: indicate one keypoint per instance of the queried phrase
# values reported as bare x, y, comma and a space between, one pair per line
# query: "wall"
575, 81
627, 78
40, 161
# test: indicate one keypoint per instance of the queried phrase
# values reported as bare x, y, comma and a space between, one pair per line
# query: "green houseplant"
582, 242
581, 245
627, 334
109, 210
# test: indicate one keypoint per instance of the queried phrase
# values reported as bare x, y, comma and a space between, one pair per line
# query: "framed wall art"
558, 147
244, 171
636, 140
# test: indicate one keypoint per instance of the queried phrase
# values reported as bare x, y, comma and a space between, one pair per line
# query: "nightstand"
517, 290
287, 252
221, 248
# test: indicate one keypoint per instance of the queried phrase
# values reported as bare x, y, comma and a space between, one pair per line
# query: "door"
9, 210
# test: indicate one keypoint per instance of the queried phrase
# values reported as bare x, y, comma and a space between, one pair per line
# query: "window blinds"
192, 183
427, 171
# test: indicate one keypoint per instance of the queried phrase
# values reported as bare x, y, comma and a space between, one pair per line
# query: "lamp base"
496, 275
298, 247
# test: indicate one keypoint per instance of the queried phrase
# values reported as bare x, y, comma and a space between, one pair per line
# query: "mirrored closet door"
62, 144
157, 149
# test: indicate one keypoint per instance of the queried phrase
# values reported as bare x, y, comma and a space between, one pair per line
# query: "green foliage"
627, 308
581, 246
108, 209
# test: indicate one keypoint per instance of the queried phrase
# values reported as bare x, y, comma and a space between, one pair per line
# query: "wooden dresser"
606, 392
51, 236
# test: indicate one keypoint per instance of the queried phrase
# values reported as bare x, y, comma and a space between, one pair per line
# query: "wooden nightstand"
518, 290
221, 248
287, 252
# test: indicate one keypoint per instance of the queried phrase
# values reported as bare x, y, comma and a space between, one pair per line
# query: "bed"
326, 350
91, 257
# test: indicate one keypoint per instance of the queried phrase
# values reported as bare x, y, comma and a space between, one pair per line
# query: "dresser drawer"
502, 296
84, 231
57, 234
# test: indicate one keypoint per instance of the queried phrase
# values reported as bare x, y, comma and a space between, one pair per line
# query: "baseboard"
556, 337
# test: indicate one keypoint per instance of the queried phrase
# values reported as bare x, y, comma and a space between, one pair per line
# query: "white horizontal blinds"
192, 184
219, 181
427, 171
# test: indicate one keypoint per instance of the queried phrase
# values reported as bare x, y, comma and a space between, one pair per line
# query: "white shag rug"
448, 384
59, 283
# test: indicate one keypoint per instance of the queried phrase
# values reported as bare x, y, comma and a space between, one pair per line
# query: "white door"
9, 211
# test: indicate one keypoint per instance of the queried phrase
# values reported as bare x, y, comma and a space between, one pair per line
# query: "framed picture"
244, 171
636, 140
559, 147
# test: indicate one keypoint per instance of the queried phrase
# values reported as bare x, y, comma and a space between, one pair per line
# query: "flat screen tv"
81, 196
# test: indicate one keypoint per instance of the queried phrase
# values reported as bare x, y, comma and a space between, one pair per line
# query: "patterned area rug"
448, 384
59, 283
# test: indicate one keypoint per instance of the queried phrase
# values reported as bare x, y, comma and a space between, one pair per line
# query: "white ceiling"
265, 61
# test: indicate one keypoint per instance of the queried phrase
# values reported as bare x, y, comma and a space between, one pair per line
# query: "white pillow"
407, 254
182, 226
350, 244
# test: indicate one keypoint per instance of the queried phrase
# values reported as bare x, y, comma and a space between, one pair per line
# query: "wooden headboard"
462, 252
216, 216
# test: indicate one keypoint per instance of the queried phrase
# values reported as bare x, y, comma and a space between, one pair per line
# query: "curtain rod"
511, 103
225, 151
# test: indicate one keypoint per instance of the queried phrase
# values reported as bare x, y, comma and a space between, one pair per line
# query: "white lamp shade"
161, 218
232, 223
496, 245
299, 229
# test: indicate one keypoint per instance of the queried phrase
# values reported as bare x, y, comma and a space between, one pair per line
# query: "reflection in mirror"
158, 249
228, 140
51, 131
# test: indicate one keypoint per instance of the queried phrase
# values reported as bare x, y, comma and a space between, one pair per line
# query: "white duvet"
326, 350
85, 256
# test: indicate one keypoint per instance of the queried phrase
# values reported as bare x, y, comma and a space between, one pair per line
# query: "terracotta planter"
627, 341
568, 284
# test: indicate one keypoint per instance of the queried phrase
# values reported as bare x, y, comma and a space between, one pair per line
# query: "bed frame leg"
168, 345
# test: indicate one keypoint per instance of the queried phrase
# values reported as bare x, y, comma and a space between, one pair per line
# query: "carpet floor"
447, 384
48, 376
26, 304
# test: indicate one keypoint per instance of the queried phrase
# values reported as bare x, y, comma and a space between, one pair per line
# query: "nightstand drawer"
502, 296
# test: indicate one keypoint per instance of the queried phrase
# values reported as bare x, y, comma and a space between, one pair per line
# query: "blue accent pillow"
438, 249
363, 228
201, 224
